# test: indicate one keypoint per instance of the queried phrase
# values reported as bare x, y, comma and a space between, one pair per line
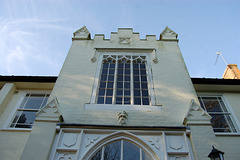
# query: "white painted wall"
172, 84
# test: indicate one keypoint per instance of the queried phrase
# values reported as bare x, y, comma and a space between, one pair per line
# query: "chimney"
231, 72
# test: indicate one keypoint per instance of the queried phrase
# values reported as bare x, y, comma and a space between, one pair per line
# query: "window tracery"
124, 79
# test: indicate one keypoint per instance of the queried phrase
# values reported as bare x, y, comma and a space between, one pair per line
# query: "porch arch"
121, 135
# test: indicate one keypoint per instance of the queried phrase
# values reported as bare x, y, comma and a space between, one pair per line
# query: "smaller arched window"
121, 150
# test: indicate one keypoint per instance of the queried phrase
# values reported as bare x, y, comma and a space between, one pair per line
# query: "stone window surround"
149, 53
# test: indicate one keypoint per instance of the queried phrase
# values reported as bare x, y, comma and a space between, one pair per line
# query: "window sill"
227, 134
16, 130
122, 107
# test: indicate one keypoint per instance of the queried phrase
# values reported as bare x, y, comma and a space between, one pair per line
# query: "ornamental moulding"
122, 118
154, 141
168, 34
91, 140
124, 40
196, 115
50, 112
82, 34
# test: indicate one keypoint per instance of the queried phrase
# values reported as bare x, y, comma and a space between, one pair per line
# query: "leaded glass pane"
136, 78
127, 100
100, 100
119, 92
104, 71
137, 101
127, 72
25, 119
222, 104
127, 93
110, 85
127, 85
34, 101
137, 93
135, 66
24, 101
103, 78
219, 123
145, 101
111, 71
145, 93
120, 85
127, 65
121, 149
118, 100
108, 100
135, 72
110, 78
143, 72
136, 85
119, 78
144, 78
123, 74
211, 104
112, 65
130, 151
45, 101
144, 86
112, 151
221, 120
127, 78
120, 65
120, 71
97, 156
142, 66
109, 92
102, 84
101, 92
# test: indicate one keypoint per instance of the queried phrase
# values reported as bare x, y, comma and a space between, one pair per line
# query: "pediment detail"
82, 33
196, 115
168, 34
50, 112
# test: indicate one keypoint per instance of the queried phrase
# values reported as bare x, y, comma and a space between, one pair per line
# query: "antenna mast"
219, 53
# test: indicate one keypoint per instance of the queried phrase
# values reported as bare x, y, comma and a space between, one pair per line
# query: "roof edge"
215, 81
44, 79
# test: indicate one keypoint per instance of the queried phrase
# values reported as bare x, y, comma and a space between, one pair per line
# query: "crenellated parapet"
125, 36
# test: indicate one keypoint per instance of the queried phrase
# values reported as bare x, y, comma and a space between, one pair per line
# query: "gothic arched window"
124, 80
121, 150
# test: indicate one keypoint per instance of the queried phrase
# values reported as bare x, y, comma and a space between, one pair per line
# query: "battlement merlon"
125, 36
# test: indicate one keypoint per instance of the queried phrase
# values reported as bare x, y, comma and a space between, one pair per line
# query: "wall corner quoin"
5, 95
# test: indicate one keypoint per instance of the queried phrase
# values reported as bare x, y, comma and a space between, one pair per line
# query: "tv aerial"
219, 53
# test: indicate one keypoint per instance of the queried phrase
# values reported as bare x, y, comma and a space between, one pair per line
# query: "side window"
26, 112
124, 79
222, 120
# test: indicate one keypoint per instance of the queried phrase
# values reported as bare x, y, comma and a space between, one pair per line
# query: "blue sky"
36, 34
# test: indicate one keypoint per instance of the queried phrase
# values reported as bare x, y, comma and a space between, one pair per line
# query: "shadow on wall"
74, 89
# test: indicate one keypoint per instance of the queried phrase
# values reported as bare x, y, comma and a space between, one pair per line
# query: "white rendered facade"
132, 92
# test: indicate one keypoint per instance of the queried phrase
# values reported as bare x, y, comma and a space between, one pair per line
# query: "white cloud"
15, 57
21, 45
